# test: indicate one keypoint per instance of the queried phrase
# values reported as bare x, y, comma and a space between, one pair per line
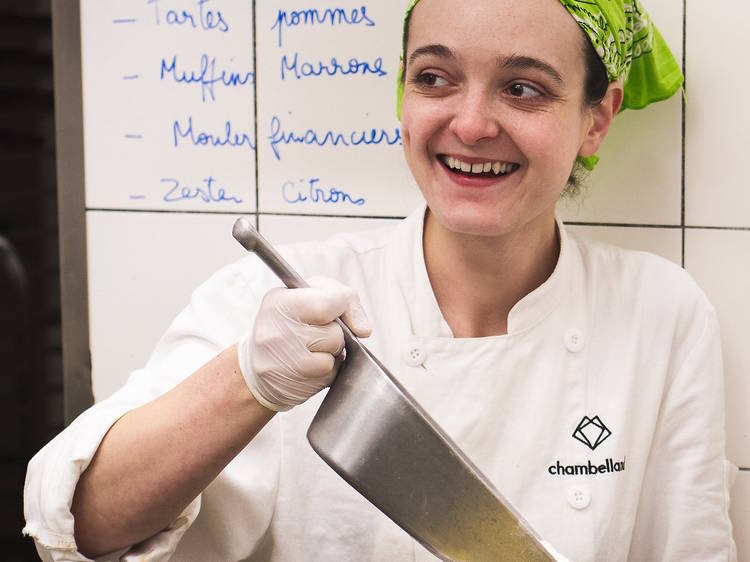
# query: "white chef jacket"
599, 415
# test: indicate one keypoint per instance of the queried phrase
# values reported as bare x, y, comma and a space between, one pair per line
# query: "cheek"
412, 148
405, 136
554, 138
420, 123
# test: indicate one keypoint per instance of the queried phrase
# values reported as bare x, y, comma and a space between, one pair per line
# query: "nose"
476, 119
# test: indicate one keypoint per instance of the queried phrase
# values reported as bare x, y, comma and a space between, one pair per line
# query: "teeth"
480, 167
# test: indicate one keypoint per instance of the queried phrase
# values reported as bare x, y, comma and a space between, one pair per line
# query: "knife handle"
246, 234
252, 241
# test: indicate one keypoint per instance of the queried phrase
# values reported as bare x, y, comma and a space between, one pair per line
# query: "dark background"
31, 403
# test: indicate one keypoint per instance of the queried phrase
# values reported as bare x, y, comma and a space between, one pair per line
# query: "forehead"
540, 29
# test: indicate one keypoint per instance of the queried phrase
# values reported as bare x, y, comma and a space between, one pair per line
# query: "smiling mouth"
490, 168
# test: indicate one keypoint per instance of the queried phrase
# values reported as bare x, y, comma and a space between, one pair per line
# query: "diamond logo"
591, 432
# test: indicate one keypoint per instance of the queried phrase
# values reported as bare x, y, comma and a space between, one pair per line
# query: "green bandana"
630, 46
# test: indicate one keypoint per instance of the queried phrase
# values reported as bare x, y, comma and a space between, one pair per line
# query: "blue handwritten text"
207, 76
314, 16
209, 192
206, 20
308, 191
228, 137
306, 69
311, 137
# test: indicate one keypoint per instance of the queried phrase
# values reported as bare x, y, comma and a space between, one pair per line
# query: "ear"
601, 118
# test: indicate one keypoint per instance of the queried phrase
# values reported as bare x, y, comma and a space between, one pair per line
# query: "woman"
583, 380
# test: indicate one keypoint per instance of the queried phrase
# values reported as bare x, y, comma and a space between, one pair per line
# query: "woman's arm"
157, 458
683, 510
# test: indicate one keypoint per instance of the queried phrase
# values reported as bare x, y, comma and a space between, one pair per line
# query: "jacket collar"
407, 258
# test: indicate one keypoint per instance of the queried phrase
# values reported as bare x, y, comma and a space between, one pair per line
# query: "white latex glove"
295, 347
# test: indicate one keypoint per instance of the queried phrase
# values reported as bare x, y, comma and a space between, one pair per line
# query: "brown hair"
595, 86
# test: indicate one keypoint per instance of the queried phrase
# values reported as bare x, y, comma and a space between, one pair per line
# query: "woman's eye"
519, 90
430, 79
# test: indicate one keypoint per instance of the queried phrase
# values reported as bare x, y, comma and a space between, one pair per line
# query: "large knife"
377, 438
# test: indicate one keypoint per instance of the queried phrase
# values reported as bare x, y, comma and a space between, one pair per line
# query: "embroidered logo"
591, 432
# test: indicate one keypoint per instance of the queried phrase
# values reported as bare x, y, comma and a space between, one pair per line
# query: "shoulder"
637, 272
650, 290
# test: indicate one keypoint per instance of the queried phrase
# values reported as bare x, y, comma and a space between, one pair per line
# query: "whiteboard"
142, 269
187, 108
329, 140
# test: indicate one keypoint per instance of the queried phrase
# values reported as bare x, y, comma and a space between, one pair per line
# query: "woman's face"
494, 86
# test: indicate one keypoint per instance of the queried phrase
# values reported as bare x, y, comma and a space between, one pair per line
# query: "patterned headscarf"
629, 45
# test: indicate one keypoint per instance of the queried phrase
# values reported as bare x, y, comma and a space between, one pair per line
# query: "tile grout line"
332, 216
241, 212
165, 211
398, 217
255, 114
683, 110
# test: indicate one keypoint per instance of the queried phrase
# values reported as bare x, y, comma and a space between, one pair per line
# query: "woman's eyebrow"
517, 62
520, 62
435, 50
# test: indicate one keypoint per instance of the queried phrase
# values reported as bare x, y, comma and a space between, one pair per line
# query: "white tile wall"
638, 180
142, 269
666, 242
718, 121
720, 261
717, 137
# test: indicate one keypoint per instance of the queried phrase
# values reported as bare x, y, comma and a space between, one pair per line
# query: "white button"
579, 497
574, 340
414, 355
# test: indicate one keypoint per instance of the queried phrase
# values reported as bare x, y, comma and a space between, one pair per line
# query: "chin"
473, 222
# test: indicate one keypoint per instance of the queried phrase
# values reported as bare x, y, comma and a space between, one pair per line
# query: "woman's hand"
296, 347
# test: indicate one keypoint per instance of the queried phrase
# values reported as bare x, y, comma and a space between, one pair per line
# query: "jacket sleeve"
54, 471
684, 502
220, 311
